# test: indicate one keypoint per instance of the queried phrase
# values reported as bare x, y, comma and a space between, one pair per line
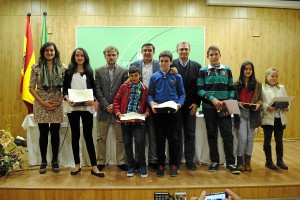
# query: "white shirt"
147, 73
78, 82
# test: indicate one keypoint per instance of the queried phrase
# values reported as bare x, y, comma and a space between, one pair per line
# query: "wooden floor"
261, 183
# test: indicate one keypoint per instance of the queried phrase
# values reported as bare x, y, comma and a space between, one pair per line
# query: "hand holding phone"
216, 196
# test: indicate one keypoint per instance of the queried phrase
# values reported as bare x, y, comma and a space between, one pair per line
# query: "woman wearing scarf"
46, 83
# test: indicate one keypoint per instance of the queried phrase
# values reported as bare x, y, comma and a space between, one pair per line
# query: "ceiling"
257, 3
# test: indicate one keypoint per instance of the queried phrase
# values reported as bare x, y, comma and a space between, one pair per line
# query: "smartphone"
216, 196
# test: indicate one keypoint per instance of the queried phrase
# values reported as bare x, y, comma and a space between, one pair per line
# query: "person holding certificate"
132, 97
215, 84
165, 86
248, 94
46, 81
273, 119
79, 76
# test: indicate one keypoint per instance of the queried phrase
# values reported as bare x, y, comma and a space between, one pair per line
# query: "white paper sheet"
132, 116
81, 95
282, 99
167, 104
232, 106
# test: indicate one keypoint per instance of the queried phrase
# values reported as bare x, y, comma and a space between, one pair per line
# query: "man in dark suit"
108, 80
147, 67
189, 71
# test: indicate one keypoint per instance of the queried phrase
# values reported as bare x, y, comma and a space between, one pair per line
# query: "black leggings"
44, 131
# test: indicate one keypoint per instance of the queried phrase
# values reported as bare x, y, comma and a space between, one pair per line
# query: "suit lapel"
106, 75
116, 75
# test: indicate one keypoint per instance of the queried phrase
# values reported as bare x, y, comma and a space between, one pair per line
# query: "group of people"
140, 89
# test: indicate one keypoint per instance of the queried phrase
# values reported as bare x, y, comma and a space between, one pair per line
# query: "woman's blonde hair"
268, 73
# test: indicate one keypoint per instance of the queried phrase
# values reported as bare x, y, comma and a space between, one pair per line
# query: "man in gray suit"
108, 80
147, 67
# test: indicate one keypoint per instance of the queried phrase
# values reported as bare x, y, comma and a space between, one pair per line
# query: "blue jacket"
167, 87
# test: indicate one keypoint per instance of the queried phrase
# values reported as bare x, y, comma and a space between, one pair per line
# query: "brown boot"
248, 167
240, 163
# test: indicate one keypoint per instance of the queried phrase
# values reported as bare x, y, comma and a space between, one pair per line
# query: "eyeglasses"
183, 49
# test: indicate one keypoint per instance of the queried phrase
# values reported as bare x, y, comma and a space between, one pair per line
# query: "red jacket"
122, 98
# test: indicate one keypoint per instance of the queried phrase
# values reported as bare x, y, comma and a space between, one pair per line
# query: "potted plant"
10, 153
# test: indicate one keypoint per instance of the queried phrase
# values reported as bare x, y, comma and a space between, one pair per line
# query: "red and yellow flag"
28, 61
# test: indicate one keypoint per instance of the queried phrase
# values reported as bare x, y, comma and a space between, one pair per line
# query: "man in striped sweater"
215, 83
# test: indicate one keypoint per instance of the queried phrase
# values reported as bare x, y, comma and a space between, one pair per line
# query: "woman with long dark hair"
46, 83
248, 94
80, 76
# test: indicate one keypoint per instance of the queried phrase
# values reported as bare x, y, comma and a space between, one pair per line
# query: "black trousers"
278, 129
213, 122
87, 125
166, 128
44, 131
186, 135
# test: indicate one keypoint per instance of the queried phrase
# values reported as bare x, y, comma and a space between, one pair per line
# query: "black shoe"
160, 171
153, 166
100, 167
55, 167
213, 167
191, 166
281, 165
100, 174
73, 173
43, 168
123, 167
173, 171
233, 169
270, 165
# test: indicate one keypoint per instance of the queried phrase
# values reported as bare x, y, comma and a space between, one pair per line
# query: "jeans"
137, 131
245, 134
213, 121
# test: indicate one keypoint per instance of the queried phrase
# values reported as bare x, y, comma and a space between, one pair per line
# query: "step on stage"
261, 183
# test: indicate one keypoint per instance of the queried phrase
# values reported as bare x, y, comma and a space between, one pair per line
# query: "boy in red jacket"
132, 97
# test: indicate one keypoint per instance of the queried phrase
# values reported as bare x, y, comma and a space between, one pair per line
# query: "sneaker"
130, 172
233, 169
123, 167
161, 171
173, 171
191, 166
43, 168
100, 167
55, 167
213, 167
144, 173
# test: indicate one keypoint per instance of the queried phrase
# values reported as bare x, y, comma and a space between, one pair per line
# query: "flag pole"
28, 61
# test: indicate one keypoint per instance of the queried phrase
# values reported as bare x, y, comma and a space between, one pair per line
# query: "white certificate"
232, 106
132, 116
282, 99
81, 95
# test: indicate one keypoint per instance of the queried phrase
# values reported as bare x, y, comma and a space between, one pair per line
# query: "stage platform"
261, 183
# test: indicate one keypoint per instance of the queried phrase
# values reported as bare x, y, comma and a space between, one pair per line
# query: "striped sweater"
215, 83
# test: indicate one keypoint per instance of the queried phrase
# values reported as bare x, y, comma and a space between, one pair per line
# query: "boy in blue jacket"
164, 87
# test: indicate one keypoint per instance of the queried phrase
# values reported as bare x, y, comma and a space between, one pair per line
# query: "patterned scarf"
57, 77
